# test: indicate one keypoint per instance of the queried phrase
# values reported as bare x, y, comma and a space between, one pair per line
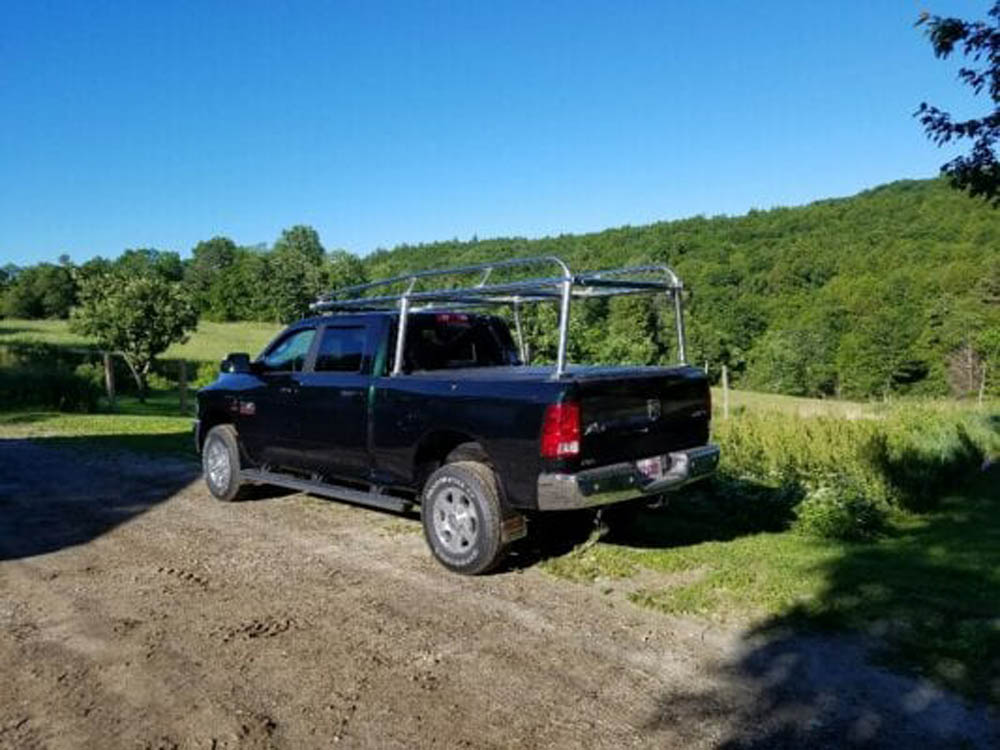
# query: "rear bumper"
624, 481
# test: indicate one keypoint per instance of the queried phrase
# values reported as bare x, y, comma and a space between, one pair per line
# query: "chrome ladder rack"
561, 287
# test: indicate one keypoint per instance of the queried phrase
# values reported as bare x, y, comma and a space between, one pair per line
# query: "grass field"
210, 343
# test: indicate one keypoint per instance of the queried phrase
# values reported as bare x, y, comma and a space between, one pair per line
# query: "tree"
296, 275
210, 259
137, 315
301, 239
243, 291
344, 269
42, 291
979, 170
293, 283
146, 261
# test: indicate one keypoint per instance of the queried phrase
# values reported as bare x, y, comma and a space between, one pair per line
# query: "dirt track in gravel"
136, 612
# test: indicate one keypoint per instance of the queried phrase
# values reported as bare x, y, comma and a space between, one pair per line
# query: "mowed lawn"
209, 343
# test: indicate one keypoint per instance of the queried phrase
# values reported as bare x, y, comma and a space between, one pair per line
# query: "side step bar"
372, 499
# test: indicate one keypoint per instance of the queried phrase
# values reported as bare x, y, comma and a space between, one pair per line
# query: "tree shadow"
61, 492
901, 648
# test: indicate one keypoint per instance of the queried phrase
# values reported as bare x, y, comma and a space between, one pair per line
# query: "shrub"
207, 373
158, 382
54, 389
91, 372
909, 456
840, 510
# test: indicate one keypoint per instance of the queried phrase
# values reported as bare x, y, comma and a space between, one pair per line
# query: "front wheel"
220, 460
462, 515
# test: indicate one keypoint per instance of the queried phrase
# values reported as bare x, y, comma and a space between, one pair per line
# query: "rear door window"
341, 349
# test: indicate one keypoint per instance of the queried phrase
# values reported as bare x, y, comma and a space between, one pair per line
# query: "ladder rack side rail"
538, 287
457, 270
656, 268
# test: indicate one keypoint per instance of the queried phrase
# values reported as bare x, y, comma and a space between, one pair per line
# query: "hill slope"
879, 292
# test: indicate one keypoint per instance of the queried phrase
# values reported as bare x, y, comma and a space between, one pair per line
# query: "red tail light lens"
561, 431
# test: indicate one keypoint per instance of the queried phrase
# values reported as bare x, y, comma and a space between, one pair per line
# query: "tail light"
561, 431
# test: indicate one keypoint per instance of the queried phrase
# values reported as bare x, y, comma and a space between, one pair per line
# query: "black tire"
223, 479
461, 513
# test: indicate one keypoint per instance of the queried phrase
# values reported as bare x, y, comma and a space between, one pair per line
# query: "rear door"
334, 401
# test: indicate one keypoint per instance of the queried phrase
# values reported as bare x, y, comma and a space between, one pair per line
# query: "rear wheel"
462, 514
220, 460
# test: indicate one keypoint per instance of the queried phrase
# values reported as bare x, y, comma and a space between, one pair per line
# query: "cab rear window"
447, 341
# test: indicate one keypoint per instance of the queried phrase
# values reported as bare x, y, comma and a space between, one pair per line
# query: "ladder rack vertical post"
567, 293
404, 309
679, 316
520, 333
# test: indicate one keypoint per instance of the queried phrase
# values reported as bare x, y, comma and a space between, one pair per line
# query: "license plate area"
652, 468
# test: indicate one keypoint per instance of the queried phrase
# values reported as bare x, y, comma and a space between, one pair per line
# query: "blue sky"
140, 124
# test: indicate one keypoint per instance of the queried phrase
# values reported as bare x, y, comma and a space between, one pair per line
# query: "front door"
270, 413
334, 402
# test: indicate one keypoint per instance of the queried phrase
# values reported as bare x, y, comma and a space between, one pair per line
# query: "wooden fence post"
182, 383
725, 392
109, 380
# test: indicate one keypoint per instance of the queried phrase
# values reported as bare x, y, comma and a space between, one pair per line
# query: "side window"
289, 354
341, 350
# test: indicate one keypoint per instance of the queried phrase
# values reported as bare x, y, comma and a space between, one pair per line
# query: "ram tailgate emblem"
653, 408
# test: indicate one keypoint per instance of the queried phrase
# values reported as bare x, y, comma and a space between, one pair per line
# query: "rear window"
447, 341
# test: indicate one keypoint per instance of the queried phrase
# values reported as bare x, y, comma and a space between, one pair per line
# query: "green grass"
213, 341
156, 427
740, 401
927, 589
56, 332
210, 343
929, 592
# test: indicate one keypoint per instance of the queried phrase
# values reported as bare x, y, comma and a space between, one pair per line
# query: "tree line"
893, 291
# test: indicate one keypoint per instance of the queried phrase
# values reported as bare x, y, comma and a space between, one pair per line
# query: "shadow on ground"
900, 649
52, 498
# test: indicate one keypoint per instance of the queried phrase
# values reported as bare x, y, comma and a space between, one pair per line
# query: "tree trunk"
109, 379
182, 382
140, 381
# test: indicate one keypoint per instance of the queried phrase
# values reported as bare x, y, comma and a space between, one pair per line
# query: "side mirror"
237, 362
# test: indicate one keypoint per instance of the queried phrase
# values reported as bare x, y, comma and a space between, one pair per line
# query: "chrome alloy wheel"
455, 521
217, 464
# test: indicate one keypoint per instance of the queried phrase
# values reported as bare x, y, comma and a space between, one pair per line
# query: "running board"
359, 497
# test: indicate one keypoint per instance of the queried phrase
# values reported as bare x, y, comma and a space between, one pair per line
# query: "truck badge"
653, 408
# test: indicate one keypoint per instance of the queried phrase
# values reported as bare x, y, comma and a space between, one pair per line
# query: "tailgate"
636, 414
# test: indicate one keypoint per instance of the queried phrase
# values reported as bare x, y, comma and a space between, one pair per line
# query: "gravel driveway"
137, 612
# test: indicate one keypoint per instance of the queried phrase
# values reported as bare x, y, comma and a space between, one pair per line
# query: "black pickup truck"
449, 418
